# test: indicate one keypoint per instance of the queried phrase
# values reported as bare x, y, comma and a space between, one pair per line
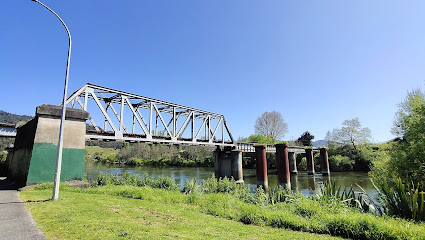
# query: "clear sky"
318, 63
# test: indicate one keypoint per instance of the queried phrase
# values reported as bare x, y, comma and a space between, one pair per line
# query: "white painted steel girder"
158, 123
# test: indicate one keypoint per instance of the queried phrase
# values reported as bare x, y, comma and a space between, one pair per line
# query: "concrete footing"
282, 166
261, 170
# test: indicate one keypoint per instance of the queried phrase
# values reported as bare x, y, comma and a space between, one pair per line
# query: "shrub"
401, 200
339, 163
103, 179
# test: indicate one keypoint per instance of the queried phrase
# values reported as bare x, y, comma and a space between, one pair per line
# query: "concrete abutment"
33, 158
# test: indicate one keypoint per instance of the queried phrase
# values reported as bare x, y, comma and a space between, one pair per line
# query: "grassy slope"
83, 215
105, 152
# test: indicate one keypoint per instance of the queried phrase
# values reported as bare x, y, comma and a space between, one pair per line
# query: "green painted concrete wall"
43, 163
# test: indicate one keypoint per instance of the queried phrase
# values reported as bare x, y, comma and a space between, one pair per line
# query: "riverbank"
109, 199
108, 213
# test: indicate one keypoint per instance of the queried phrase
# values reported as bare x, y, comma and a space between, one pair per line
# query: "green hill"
6, 117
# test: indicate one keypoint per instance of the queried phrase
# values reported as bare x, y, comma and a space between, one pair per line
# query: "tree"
271, 124
258, 138
351, 141
407, 159
351, 133
306, 138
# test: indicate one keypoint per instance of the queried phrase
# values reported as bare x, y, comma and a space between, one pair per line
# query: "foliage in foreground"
401, 200
281, 208
101, 213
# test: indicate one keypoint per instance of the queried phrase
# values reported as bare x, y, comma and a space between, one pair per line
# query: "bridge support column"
310, 161
217, 162
228, 163
292, 163
261, 169
324, 162
282, 165
237, 171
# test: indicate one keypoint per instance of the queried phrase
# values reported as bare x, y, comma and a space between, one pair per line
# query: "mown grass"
277, 209
129, 212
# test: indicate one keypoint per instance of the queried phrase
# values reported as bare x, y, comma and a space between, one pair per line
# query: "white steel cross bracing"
132, 117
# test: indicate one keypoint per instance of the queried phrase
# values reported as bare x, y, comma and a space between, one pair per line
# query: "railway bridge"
121, 116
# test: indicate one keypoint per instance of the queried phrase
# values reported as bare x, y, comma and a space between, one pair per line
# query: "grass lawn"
80, 214
104, 152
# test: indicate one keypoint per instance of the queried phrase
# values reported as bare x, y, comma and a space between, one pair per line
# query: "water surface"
302, 182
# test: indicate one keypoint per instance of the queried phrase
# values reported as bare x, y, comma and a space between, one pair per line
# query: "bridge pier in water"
292, 163
261, 169
228, 163
310, 161
324, 162
282, 165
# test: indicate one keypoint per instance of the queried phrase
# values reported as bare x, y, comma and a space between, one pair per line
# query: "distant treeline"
6, 117
151, 154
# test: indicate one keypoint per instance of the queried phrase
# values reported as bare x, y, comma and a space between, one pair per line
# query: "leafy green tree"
258, 138
306, 138
352, 133
407, 155
352, 141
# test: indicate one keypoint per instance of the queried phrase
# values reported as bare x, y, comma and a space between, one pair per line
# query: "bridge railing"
250, 147
132, 117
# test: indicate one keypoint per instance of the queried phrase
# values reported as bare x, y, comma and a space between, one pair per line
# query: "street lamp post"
60, 141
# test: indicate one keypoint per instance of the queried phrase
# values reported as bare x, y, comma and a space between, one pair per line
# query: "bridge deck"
7, 130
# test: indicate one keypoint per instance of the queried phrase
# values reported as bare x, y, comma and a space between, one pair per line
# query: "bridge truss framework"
135, 118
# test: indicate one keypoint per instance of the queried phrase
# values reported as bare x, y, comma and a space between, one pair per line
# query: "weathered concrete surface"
56, 111
237, 171
18, 160
228, 163
16, 223
324, 162
292, 163
33, 159
310, 161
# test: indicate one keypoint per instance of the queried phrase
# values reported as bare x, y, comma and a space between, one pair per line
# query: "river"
302, 181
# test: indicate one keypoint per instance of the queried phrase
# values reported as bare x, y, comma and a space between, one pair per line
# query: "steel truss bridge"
134, 118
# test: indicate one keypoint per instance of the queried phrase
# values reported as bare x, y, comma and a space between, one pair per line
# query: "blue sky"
318, 63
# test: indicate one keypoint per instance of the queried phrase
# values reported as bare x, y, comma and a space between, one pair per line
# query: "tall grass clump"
401, 200
330, 192
103, 179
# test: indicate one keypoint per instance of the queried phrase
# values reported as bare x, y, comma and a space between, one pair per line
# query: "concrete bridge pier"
282, 165
261, 169
292, 163
228, 163
237, 171
310, 161
324, 162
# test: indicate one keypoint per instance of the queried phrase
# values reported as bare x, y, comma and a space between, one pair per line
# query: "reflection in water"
312, 182
306, 184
